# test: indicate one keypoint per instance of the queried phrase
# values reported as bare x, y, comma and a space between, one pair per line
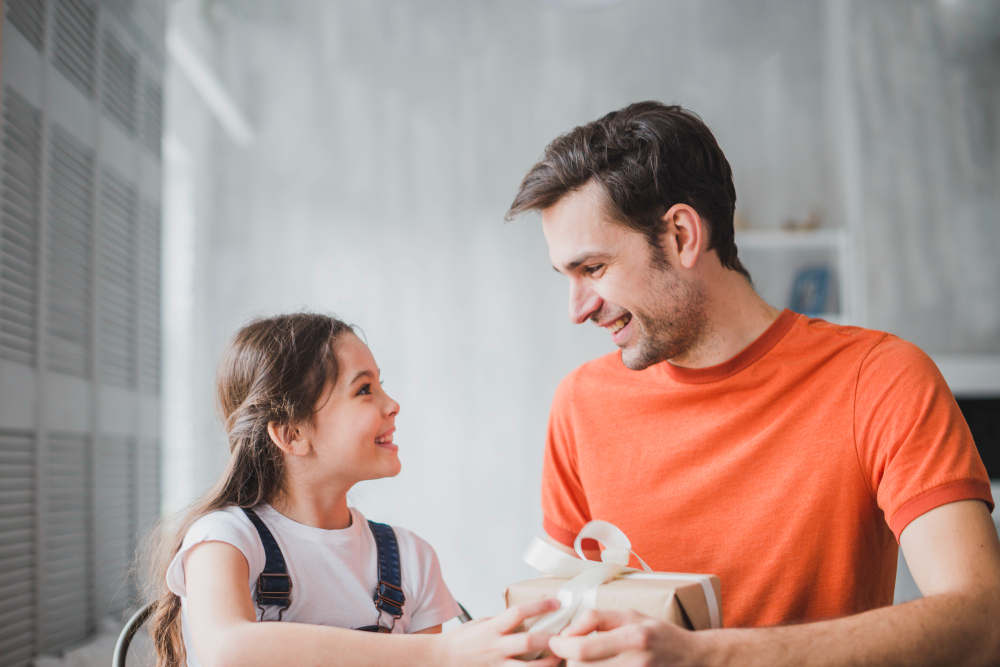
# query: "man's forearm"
945, 629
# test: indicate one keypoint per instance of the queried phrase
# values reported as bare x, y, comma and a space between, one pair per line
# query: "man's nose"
583, 302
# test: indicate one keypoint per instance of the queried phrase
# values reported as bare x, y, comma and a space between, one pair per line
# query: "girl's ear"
288, 438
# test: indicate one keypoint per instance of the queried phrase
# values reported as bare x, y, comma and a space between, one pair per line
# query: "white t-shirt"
334, 572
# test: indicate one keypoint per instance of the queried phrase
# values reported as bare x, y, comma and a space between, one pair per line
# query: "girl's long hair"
275, 370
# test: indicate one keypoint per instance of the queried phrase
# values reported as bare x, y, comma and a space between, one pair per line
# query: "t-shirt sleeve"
222, 526
914, 446
427, 596
564, 503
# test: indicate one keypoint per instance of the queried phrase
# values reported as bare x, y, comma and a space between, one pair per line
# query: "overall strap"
389, 598
274, 586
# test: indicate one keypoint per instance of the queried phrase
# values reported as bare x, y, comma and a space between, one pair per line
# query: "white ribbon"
585, 576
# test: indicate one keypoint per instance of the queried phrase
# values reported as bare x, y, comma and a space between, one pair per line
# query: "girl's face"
352, 430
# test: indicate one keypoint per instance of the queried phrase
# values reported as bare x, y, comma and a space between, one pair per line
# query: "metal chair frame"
141, 616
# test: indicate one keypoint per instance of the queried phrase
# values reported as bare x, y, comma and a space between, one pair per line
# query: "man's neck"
735, 317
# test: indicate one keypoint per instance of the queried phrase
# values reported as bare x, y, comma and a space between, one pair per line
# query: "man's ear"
685, 233
288, 438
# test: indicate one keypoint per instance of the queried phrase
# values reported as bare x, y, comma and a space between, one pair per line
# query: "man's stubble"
674, 326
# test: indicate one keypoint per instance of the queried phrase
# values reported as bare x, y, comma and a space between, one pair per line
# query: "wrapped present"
693, 601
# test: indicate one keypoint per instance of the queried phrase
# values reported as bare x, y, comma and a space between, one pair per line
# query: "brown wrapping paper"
675, 601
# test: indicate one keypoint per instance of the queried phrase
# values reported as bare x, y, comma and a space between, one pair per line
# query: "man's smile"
620, 323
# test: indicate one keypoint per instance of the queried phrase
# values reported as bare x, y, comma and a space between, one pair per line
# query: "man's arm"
954, 556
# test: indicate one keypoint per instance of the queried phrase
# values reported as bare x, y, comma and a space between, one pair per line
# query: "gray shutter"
22, 139
70, 255
80, 130
149, 298
28, 16
67, 592
152, 116
121, 71
116, 331
17, 546
115, 523
74, 43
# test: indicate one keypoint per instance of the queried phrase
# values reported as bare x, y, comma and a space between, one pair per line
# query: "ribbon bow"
585, 576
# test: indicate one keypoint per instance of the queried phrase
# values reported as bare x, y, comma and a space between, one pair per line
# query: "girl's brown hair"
275, 370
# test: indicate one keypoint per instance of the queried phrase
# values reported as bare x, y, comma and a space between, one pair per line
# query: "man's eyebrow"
583, 257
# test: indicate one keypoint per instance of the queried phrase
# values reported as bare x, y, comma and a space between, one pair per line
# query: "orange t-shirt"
789, 471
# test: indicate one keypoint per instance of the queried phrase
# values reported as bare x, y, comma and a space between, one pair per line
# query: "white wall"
390, 138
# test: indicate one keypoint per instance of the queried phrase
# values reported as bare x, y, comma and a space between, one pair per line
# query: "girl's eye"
366, 388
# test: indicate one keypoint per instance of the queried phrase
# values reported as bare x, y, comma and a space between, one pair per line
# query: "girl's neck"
328, 510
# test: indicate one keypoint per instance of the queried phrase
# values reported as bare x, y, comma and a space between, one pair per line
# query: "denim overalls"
274, 586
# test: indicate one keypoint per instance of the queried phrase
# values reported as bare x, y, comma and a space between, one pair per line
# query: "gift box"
692, 601
678, 601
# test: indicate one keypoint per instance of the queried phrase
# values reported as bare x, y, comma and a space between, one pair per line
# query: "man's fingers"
516, 615
630, 637
627, 659
601, 621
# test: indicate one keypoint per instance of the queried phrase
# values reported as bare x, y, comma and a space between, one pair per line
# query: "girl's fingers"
522, 643
518, 614
550, 661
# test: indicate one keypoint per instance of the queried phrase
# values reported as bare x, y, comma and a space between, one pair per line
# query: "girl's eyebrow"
361, 374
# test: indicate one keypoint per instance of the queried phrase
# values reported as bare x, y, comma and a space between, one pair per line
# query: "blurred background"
172, 169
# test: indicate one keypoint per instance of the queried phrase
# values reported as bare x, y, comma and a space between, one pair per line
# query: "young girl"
275, 540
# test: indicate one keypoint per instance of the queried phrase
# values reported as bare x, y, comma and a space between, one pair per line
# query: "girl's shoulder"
219, 525
229, 525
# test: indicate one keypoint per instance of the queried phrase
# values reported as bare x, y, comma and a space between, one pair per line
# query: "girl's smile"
385, 440
351, 432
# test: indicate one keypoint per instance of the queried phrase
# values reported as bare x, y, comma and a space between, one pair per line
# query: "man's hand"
954, 555
626, 638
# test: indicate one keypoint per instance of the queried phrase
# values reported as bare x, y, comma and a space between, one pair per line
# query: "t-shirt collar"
747, 356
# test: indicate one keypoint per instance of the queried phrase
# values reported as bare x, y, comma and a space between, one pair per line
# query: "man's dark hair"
646, 157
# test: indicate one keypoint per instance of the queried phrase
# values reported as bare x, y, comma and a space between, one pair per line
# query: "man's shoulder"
866, 350
815, 336
820, 330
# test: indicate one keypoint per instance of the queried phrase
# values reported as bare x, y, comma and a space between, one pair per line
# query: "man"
785, 454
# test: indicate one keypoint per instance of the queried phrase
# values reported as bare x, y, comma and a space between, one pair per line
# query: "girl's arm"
436, 630
225, 632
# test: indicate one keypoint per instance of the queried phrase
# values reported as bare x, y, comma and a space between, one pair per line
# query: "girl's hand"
488, 642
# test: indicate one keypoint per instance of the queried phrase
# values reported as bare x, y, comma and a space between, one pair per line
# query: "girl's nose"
391, 406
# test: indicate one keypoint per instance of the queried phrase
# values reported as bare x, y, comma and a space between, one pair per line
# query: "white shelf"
774, 256
779, 238
970, 375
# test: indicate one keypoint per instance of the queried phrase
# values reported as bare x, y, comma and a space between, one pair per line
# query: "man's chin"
637, 359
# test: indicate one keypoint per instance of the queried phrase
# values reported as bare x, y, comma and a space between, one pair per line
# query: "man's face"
651, 310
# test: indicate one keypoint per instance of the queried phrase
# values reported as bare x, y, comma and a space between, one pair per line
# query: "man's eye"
366, 388
591, 270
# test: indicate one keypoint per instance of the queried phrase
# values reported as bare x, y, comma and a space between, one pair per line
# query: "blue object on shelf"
809, 290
